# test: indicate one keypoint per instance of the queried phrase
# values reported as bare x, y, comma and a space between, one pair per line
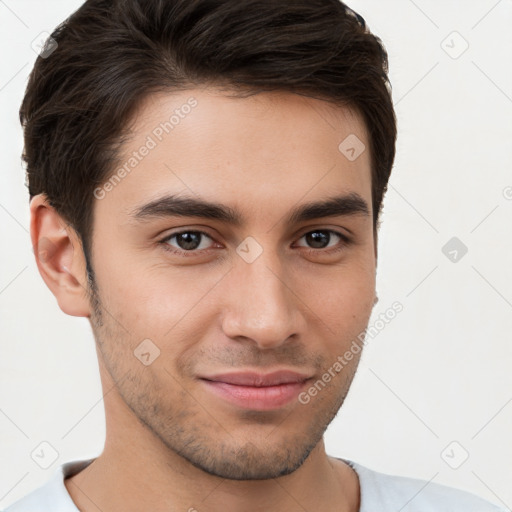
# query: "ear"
59, 257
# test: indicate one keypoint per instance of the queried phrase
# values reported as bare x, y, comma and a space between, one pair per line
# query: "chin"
250, 462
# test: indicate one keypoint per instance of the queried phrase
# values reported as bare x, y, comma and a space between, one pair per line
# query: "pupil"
191, 240
316, 238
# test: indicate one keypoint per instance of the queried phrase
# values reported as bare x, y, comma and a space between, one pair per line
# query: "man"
206, 179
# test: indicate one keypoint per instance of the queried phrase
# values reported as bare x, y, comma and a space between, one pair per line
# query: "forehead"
263, 152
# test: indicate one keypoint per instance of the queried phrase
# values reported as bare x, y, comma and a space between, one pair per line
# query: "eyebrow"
175, 206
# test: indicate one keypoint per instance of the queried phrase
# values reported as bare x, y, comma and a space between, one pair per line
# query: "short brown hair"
111, 54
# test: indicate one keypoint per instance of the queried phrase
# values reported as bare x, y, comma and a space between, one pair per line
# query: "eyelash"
194, 252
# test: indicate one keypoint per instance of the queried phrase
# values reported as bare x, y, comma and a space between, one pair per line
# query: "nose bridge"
260, 304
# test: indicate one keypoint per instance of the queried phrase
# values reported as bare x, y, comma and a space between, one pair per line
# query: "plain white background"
434, 385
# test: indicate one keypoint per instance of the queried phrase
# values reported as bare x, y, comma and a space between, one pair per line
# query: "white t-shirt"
380, 492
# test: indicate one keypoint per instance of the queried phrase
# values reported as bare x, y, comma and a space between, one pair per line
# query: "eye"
188, 242
321, 238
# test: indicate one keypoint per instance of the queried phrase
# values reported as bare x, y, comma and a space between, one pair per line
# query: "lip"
257, 391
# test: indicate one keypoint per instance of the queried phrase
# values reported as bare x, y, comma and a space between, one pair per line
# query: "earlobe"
59, 257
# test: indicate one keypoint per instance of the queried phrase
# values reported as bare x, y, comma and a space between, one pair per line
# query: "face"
217, 322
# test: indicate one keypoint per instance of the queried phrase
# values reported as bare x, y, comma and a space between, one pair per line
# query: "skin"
171, 444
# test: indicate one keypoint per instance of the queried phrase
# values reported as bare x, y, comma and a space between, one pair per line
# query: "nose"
261, 304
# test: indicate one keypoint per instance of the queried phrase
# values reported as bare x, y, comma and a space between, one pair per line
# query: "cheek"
344, 300
133, 285
167, 305
152, 309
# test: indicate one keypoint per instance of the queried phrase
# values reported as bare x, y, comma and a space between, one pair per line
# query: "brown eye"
186, 242
321, 238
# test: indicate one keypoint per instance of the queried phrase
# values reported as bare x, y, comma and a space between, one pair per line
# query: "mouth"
257, 391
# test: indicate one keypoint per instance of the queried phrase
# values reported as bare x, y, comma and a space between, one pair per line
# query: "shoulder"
53, 495
390, 492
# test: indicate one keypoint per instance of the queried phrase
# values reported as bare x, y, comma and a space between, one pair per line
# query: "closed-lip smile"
255, 390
